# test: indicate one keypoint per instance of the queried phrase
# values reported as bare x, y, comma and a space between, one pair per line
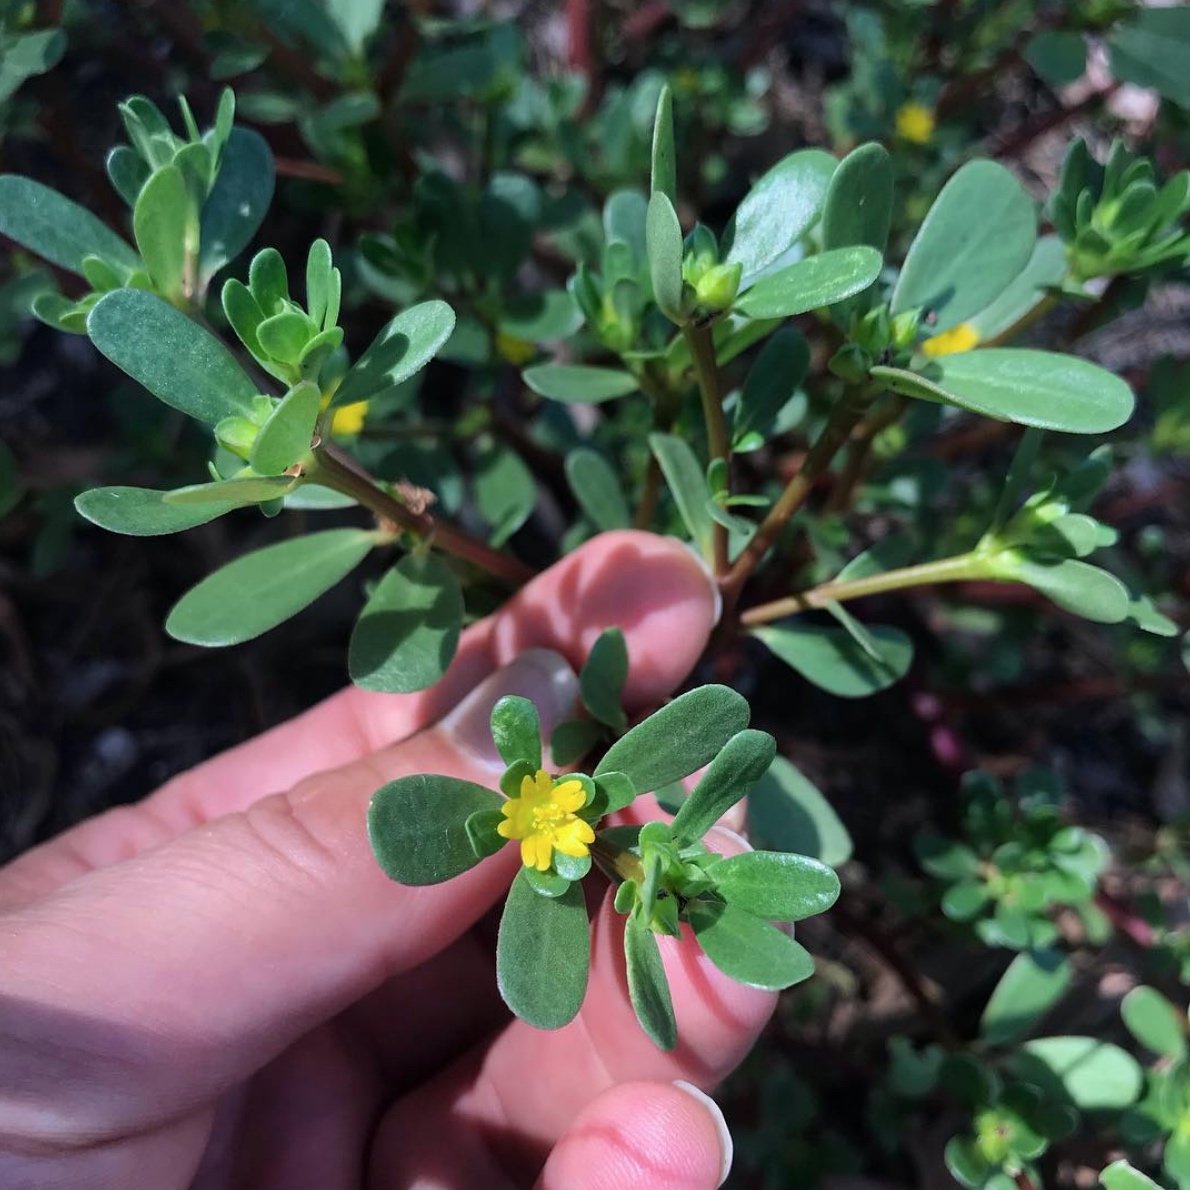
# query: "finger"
522, 1091
653, 588
160, 981
664, 1136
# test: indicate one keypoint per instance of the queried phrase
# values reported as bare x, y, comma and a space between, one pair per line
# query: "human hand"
214, 988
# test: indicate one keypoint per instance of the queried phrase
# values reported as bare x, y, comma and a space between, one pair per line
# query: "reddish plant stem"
1032, 130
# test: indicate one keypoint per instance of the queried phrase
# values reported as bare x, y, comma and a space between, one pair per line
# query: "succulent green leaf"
975, 239
1045, 271
128, 172
779, 209
572, 739
26, 55
285, 436
678, 739
268, 279
789, 813
578, 384
748, 949
143, 512
1088, 1073
1036, 388
812, 283
601, 680
407, 634
49, 224
663, 239
402, 349
1149, 49
832, 659
776, 885
596, 487
1076, 586
482, 832
779, 368
161, 223
418, 826
546, 317
505, 491
858, 204
543, 954
284, 336
177, 360
59, 230
265, 588
1033, 983
1154, 1022
232, 493
516, 731
238, 201
1059, 56
648, 988
742, 761
1119, 1175
664, 168
687, 483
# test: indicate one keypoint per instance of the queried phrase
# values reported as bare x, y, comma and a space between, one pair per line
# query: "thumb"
184, 969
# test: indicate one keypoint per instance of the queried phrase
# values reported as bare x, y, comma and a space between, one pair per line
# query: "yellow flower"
915, 122
514, 350
350, 418
959, 338
544, 820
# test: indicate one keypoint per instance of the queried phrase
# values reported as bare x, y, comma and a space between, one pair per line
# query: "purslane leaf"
748, 949
812, 283
543, 954
177, 360
743, 760
57, 229
775, 885
401, 350
648, 987
417, 826
678, 739
265, 588
974, 240
407, 634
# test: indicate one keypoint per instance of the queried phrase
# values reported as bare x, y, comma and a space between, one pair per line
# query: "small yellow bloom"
915, 122
514, 350
349, 419
959, 338
544, 818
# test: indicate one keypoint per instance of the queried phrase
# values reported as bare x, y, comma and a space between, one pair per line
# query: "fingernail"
540, 675
725, 841
726, 1144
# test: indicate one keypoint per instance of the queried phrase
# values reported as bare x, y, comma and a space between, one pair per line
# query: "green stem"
700, 338
843, 419
959, 568
859, 453
332, 468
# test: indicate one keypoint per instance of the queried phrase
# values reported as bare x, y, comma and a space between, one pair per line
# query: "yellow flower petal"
915, 122
349, 419
963, 337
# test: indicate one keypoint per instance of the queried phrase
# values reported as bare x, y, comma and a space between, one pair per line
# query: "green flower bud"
904, 329
716, 289
237, 434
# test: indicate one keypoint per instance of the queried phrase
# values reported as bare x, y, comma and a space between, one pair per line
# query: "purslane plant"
654, 319
426, 829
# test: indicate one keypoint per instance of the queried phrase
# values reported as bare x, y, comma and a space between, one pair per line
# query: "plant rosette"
426, 829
